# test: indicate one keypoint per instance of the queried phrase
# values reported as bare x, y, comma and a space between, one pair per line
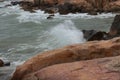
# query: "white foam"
61, 35
84, 16
16, 63
32, 17
40, 16
67, 33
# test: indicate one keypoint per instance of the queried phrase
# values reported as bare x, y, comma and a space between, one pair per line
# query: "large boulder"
91, 35
98, 69
115, 28
86, 51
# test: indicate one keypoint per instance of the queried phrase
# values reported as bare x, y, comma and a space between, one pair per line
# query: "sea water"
24, 34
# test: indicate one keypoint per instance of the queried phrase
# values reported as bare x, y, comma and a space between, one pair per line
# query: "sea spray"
67, 33
24, 34
60, 35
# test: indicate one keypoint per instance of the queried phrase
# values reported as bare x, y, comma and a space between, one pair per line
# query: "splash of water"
61, 35
67, 33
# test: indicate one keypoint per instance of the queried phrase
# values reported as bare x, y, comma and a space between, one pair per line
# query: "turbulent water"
24, 34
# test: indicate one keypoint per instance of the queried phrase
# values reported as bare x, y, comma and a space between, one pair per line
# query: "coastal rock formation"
91, 35
98, 69
72, 6
86, 51
115, 28
1, 63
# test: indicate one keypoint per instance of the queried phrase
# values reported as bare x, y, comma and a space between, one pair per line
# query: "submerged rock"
98, 69
86, 51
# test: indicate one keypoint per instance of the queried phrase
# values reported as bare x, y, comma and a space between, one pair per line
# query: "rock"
6, 63
15, 2
86, 51
27, 6
73, 6
98, 69
50, 16
51, 10
1, 63
115, 28
91, 35
92, 13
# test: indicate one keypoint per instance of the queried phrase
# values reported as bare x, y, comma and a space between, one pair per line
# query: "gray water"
24, 34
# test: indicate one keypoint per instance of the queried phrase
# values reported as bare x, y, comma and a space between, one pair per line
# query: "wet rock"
15, 2
73, 6
50, 16
86, 51
1, 63
92, 13
91, 35
6, 63
98, 69
51, 10
115, 28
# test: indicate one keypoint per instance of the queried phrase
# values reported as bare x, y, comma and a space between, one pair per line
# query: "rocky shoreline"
93, 60
97, 59
31, 69
70, 6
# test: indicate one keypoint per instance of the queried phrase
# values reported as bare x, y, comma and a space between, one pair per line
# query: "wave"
61, 35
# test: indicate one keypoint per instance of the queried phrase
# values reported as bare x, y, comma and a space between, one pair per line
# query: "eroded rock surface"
86, 51
98, 69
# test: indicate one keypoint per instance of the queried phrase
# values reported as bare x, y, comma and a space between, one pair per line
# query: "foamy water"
24, 34
38, 16
60, 35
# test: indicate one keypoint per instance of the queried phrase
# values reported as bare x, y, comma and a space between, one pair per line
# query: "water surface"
24, 34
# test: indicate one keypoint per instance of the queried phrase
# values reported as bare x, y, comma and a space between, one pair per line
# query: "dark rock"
51, 10
115, 28
92, 13
15, 2
6, 63
1, 63
27, 6
1, 0
74, 6
91, 35
50, 16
